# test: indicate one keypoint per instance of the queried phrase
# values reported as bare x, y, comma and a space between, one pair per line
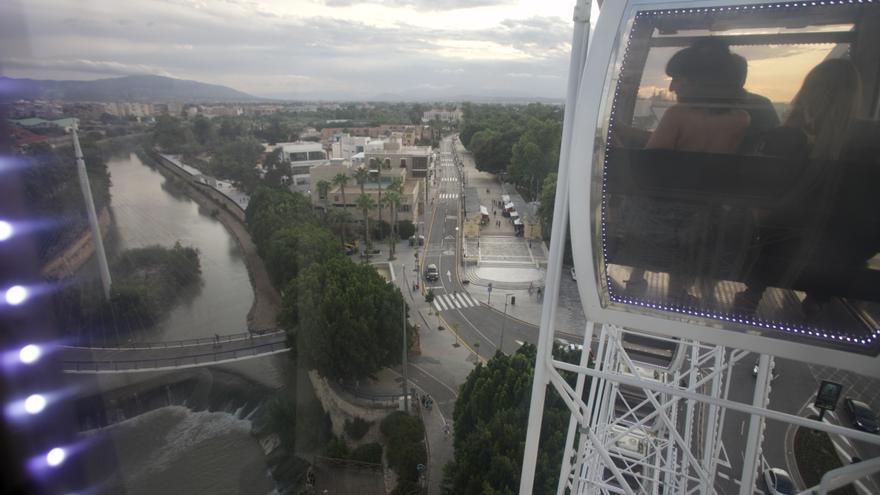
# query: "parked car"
573, 275
861, 415
779, 482
431, 273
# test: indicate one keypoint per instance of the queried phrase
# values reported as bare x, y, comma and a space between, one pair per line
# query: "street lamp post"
405, 381
503, 320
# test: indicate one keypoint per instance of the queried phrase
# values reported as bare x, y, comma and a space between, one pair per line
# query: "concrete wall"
230, 204
342, 408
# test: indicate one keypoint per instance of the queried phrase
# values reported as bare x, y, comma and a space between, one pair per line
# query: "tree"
271, 210
365, 203
395, 187
203, 130
323, 190
341, 180
348, 319
169, 134
236, 160
491, 417
547, 201
360, 176
377, 177
393, 199
292, 249
277, 170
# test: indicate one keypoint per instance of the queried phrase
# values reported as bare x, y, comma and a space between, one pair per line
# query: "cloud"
532, 76
426, 5
232, 44
102, 67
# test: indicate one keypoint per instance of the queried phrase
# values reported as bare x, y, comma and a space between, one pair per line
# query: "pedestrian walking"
216, 340
531, 288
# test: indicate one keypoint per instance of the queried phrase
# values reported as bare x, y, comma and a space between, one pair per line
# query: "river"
150, 209
169, 448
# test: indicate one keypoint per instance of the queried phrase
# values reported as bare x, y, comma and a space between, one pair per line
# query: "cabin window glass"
739, 152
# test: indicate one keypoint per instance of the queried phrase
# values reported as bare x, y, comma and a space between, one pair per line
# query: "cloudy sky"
303, 48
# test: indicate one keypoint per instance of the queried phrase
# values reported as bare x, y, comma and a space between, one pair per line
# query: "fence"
188, 342
172, 362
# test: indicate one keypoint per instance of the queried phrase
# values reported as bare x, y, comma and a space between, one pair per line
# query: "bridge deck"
171, 355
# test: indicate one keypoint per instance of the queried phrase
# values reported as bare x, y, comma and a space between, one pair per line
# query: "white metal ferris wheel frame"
594, 428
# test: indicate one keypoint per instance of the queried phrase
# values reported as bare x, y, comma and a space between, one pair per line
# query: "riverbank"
267, 302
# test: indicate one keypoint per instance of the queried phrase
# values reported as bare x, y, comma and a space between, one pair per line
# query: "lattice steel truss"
626, 438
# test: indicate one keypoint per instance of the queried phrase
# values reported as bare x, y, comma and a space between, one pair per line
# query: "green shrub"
336, 449
380, 230
357, 428
405, 229
406, 487
368, 452
405, 446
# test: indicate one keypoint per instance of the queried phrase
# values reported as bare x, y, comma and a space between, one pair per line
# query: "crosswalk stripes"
449, 196
458, 300
449, 179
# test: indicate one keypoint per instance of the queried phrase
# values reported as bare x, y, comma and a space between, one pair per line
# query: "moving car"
779, 482
431, 273
861, 415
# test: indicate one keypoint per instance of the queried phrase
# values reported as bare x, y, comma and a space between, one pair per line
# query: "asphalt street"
480, 329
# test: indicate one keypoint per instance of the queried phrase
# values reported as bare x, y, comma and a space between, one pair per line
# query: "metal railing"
188, 342
173, 362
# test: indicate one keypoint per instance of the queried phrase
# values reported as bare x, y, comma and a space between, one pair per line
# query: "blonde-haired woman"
817, 128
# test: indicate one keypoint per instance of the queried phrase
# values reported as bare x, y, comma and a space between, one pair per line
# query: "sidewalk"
513, 281
439, 370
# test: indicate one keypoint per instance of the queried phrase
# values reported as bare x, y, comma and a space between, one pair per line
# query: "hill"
128, 88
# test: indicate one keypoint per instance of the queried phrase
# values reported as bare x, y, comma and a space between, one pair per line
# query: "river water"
174, 449
151, 209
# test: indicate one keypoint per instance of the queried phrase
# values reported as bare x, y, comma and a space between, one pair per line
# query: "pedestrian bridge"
160, 356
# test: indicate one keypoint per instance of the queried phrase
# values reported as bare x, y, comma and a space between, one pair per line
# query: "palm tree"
392, 197
341, 180
365, 203
378, 179
361, 175
323, 189
397, 187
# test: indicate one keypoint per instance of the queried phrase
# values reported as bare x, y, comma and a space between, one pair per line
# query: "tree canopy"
521, 141
345, 318
491, 417
348, 319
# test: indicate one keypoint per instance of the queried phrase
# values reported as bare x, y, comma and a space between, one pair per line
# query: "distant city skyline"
310, 49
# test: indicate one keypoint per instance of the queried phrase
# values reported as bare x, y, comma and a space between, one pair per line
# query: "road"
481, 328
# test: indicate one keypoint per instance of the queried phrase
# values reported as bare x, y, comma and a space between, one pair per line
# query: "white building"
302, 157
442, 115
346, 146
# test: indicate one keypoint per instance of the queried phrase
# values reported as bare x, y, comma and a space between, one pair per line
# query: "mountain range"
127, 88
158, 89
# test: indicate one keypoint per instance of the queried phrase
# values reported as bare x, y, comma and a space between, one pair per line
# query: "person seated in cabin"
815, 227
707, 81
